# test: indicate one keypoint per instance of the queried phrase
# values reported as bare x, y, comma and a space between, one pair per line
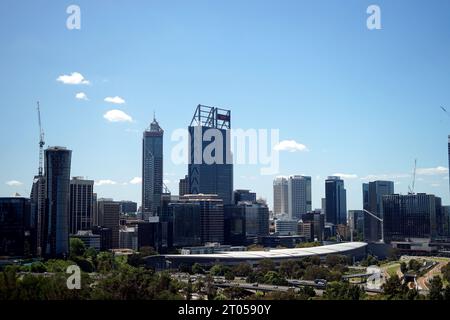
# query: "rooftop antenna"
411, 188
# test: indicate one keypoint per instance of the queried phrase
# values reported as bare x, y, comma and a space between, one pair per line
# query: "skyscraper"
57, 178
210, 161
16, 227
244, 195
38, 195
280, 196
152, 168
299, 196
81, 204
211, 216
336, 201
449, 158
373, 193
410, 216
109, 217
183, 186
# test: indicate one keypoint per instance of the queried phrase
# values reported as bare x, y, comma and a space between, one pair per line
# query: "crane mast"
41, 141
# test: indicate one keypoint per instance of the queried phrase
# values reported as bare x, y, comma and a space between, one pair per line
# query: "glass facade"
336, 201
185, 223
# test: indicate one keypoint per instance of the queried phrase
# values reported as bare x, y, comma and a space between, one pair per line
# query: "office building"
105, 235
17, 228
186, 222
37, 196
211, 216
299, 196
317, 218
280, 196
127, 207
256, 219
149, 234
336, 201
128, 238
183, 186
57, 179
152, 168
89, 239
410, 216
244, 195
373, 193
234, 225
109, 217
306, 230
356, 222
81, 204
286, 227
210, 160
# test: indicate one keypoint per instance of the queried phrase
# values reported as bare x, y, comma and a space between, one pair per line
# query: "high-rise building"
256, 219
57, 178
211, 216
81, 204
235, 233
356, 221
38, 195
244, 195
109, 217
152, 168
449, 157
210, 160
299, 196
128, 207
373, 193
183, 186
17, 228
317, 218
410, 216
186, 222
286, 227
280, 196
336, 201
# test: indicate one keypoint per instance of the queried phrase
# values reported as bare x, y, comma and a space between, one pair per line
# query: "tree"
105, 262
436, 288
446, 272
229, 275
77, 247
343, 291
447, 293
135, 260
394, 289
414, 265
242, 270
274, 278
147, 251
197, 269
266, 265
403, 267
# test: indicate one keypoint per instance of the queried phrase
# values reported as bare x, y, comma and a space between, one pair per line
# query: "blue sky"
364, 102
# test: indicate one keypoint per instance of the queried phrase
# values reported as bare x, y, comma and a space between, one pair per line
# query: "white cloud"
81, 96
346, 175
435, 185
136, 180
115, 100
117, 116
290, 146
74, 78
373, 177
432, 171
106, 182
14, 183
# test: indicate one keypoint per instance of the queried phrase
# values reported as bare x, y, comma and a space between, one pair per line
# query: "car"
255, 284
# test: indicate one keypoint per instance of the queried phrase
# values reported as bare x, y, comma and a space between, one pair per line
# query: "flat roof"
278, 253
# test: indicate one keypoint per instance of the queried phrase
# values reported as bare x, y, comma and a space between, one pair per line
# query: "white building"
299, 196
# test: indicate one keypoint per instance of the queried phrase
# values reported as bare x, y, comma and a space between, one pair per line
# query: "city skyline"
361, 134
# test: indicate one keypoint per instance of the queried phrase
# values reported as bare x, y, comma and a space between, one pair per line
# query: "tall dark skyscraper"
410, 216
38, 195
210, 163
373, 193
336, 201
152, 169
81, 204
57, 178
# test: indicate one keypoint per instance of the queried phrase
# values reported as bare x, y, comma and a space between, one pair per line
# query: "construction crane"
41, 141
411, 188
